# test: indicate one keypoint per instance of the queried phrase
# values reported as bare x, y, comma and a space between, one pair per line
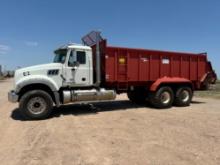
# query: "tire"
183, 96
36, 105
162, 98
138, 95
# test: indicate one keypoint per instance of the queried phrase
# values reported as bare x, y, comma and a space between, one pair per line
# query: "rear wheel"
183, 96
36, 104
138, 95
162, 98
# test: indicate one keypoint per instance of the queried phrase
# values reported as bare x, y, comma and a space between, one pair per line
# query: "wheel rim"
36, 105
165, 97
185, 95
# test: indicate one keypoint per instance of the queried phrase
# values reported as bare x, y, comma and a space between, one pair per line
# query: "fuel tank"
88, 95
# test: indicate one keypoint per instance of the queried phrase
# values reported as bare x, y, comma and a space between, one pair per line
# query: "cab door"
78, 69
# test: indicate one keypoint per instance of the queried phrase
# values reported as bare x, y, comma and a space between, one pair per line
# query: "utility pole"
0, 70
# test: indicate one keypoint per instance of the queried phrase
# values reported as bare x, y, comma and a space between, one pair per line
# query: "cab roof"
74, 46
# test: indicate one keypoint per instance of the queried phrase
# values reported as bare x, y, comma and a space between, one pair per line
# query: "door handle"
74, 68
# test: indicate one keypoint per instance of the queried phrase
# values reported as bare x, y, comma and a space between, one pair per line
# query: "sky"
31, 29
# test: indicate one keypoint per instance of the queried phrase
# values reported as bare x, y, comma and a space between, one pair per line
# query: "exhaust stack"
91, 39
98, 64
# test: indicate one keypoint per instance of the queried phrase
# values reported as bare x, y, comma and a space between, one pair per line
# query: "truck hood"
39, 70
41, 67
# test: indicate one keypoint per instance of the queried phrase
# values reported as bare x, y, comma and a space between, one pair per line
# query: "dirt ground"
116, 133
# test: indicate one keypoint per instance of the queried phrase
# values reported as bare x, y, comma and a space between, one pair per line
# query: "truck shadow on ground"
197, 102
87, 109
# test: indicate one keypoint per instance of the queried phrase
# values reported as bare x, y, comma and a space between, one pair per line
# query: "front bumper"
12, 96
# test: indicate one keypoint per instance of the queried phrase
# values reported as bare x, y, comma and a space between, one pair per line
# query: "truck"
94, 71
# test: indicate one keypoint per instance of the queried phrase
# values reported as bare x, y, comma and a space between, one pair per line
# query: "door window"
81, 57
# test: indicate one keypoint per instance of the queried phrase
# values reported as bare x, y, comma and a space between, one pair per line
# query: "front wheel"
36, 104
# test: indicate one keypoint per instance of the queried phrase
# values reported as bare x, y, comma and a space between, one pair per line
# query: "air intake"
53, 72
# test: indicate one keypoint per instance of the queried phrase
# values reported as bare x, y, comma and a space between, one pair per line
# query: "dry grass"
214, 92
1, 78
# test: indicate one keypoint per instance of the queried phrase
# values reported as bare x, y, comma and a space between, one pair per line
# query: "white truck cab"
77, 65
72, 67
68, 79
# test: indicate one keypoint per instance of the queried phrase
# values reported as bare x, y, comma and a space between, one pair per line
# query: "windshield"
60, 56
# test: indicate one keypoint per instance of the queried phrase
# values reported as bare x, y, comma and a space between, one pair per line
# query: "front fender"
36, 79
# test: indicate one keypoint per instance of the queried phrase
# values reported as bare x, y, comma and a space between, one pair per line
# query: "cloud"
31, 43
4, 49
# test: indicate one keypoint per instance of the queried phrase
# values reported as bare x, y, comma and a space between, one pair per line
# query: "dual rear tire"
164, 97
183, 96
138, 95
